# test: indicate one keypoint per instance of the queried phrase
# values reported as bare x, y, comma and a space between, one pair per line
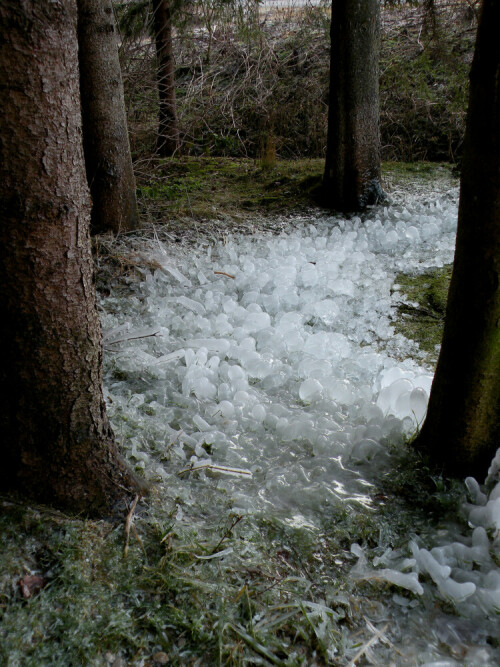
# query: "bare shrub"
251, 76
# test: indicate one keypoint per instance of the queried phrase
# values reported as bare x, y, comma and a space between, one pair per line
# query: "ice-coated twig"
225, 470
128, 523
219, 554
235, 520
133, 336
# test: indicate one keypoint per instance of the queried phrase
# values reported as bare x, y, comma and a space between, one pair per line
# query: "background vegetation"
252, 78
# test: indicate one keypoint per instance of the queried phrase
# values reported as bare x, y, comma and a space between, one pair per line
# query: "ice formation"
275, 368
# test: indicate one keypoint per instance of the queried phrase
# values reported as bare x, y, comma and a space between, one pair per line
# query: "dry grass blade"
128, 523
379, 634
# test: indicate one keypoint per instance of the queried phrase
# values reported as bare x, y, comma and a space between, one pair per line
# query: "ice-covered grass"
260, 377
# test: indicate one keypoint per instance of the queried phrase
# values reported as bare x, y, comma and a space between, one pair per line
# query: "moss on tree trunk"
462, 428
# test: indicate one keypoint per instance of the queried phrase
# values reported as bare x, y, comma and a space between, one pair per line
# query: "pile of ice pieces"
464, 571
275, 357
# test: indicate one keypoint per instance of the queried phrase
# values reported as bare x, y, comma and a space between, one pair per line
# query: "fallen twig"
223, 273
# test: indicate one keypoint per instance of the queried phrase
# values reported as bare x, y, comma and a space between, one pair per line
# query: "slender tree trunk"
462, 428
57, 445
168, 132
352, 170
105, 136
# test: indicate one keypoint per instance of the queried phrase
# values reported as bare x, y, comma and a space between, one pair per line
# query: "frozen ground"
260, 376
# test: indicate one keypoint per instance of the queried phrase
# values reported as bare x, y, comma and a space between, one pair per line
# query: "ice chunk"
477, 496
427, 563
412, 234
487, 516
310, 390
213, 344
256, 321
366, 450
456, 591
227, 409
204, 389
418, 404
339, 391
258, 413
201, 423
326, 309
172, 356
193, 305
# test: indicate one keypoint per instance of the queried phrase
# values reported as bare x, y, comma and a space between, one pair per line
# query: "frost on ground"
260, 376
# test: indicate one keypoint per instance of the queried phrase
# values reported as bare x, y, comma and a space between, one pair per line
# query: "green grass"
163, 597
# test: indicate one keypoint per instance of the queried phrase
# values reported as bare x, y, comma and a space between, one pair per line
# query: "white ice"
292, 370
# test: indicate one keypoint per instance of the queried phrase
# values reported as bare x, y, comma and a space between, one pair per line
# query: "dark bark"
105, 136
57, 445
352, 170
168, 141
462, 429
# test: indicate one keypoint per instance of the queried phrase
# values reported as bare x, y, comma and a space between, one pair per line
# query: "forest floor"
91, 605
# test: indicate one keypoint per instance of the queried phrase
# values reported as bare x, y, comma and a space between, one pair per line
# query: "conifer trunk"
168, 141
352, 170
462, 429
105, 135
57, 445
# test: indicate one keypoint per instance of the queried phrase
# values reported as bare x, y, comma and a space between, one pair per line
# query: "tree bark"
57, 444
105, 136
462, 429
352, 170
168, 141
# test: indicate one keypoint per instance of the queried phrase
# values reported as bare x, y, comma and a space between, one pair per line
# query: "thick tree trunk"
462, 428
105, 136
352, 170
168, 132
57, 445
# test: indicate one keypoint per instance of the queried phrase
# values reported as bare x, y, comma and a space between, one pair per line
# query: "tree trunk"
168, 132
58, 446
105, 136
352, 170
462, 428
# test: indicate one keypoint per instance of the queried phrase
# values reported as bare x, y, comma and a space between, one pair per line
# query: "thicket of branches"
252, 78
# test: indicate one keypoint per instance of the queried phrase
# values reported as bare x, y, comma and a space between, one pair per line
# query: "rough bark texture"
105, 136
352, 170
57, 445
168, 132
462, 428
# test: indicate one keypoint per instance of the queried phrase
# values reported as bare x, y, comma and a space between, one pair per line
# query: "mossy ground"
209, 188
422, 308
